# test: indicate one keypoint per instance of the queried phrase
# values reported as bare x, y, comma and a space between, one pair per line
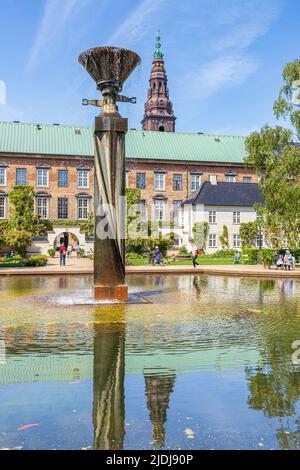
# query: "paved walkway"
85, 266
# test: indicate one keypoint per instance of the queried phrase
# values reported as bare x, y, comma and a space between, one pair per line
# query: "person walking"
69, 250
195, 252
157, 256
62, 252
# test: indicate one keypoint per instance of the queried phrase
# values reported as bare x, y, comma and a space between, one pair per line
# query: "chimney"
213, 179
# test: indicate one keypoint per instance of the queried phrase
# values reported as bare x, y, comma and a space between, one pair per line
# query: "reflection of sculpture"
108, 405
158, 389
109, 67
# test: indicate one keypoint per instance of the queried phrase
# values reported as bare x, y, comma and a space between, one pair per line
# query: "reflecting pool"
204, 363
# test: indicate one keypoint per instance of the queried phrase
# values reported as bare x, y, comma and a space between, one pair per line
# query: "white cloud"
55, 16
134, 25
222, 72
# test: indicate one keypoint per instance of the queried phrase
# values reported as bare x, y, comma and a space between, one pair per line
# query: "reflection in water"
108, 398
217, 337
158, 388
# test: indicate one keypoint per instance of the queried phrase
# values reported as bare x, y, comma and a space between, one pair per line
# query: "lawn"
202, 260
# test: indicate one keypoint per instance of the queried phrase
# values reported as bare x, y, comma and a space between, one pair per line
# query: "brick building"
167, 166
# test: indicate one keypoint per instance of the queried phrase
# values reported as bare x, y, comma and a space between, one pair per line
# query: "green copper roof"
49, 139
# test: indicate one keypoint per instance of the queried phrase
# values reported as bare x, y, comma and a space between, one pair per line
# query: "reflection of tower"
158, 115
158, 389
108, 405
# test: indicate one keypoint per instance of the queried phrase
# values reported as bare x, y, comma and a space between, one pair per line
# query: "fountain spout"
109, 67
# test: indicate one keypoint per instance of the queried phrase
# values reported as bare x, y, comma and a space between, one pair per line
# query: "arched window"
161, 129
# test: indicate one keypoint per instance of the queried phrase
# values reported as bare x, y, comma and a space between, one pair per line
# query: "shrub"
267, 256
252, 255
52, 252
131, 258
36, 260
183, 250
224, 253
82, 252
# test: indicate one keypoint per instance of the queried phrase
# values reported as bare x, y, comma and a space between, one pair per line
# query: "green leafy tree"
224, 238
276, 159
200, 232
87, 226
248, 234
23, 225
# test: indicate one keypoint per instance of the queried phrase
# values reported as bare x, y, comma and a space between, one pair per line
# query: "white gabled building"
220, 204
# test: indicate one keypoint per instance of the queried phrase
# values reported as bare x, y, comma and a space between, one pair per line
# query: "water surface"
206, 365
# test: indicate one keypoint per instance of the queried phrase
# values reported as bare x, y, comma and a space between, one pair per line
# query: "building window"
212, 217
195, 182
177, 182
42, 177
236, 217
229, 179
82, 207
176, 209
83, 178
159, 181
42, 206
141, 180
2, 176
21, 176
63, 178
62, 209
246, 179
212, 179
236, 241
2, 207
212, 240
159, 209
143, 209
260, 240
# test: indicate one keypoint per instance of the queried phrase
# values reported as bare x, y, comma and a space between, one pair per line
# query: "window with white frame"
82, 207
143, 209
42, 206
212, 217
62, 208
83, 178
236, 217
159, 181
42, 177
246, 179
2, 176
195, 182
212, 240
176, 209
159, 209
236, 241
2, 207
229, 179
259, 240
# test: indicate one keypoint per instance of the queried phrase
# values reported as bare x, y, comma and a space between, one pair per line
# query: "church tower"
158, 115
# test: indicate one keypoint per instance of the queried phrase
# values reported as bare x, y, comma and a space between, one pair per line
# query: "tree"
200, 232
224, 238
88, 225
248, 234
276, 159
23, 225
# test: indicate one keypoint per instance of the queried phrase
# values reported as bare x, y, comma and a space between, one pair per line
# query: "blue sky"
223, 58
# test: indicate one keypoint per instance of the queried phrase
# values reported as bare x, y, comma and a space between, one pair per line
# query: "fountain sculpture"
109, 67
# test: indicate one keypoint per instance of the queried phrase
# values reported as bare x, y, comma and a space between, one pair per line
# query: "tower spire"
158, 54
158, 115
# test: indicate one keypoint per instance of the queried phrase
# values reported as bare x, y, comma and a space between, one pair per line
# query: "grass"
202, 260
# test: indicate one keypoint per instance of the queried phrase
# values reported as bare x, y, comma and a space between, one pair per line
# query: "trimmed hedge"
36, 260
